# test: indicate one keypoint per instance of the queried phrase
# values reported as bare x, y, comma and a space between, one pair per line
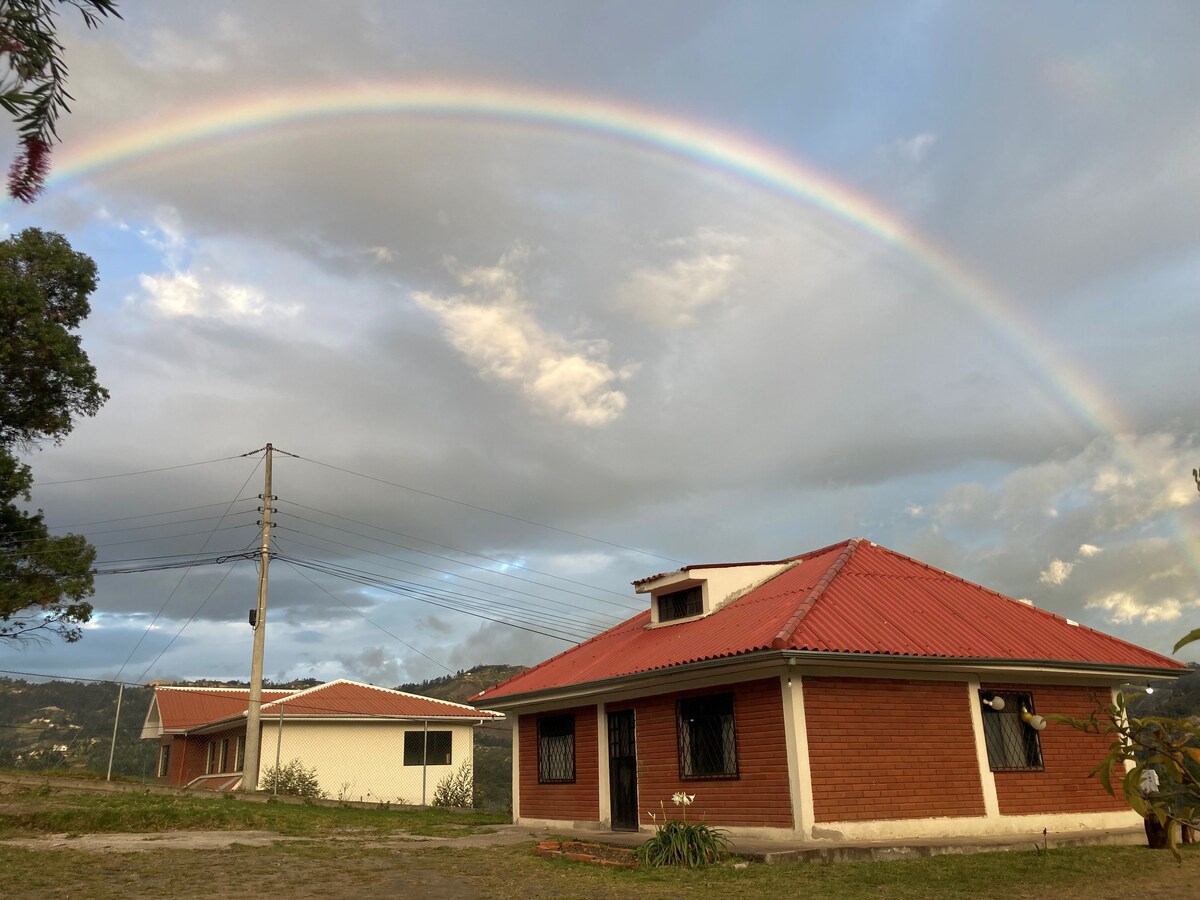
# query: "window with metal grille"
164, 760
1012, 746
430, 748
239, 753
707, 737
223, 758
681, 604
556, 749
210, 764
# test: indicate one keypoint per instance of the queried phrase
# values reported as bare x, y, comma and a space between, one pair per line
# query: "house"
364, 742
850, 693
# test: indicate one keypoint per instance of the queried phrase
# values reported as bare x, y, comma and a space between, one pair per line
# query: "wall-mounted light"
1037, 723
996, 703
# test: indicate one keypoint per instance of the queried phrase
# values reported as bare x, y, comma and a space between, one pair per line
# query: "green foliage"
293, 779
687, 844
46, 381
34, 90
678, 842
456, 790
1170, 746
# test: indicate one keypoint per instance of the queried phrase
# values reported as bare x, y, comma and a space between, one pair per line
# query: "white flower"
682, 799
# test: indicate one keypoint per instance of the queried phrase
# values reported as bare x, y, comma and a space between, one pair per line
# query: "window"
430, 748
681, 604
707, 741
223, 758
1012, 746
164, 760
210, 764
556, 749
239, 753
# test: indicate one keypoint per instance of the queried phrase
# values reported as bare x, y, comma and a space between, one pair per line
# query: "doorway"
622, 771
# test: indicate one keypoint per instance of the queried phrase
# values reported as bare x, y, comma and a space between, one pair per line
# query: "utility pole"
259, 621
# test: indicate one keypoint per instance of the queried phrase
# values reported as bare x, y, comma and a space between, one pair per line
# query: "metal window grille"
1012, 746
239, 753
707, 737
681, 604
431, 748
556, 749
164, 760
223, 761
210, 763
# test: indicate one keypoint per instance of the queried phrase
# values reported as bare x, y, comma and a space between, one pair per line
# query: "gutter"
766, 659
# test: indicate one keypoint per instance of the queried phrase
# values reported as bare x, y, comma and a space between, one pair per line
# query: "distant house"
850, 693
365, 742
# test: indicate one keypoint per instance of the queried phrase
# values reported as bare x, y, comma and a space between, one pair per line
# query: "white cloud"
669, 296
1057, 572
190, 295
493, 326
911, 150
380, 254
1122, 607
1089, 550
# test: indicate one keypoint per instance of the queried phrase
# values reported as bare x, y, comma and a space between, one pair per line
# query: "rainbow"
642, 129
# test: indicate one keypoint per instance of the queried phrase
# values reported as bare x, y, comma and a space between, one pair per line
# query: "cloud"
1122, 607
670, 295
191, 295
912, 150
495, 329
1057, 572
1089, 550
374, 665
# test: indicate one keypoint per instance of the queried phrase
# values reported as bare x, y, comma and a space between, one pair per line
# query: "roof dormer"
697, 591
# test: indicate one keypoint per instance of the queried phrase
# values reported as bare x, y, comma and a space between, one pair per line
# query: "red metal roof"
854, 597
349, 698
183, 708
187, 708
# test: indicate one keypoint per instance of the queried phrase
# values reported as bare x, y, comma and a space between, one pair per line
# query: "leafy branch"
34, 91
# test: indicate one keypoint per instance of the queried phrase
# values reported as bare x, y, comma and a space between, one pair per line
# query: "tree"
46, 382
34, 91
1170, 746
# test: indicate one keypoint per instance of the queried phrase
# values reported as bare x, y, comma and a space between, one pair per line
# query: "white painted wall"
363, 760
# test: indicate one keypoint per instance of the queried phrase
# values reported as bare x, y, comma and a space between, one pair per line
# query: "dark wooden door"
622, 771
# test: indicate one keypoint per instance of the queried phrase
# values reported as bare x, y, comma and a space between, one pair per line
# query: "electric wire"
493, 512
143, 471
494, 559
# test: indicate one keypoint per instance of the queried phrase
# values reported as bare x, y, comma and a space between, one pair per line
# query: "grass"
361, 852
43, 811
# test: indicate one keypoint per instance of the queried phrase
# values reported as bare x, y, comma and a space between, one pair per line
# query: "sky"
535, 299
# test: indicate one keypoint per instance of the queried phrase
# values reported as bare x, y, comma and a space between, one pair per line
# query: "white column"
991, 803
795, 729
516, 767
602, 767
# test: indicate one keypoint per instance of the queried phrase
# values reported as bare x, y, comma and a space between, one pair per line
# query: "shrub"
293, 779
678, 842
456, 789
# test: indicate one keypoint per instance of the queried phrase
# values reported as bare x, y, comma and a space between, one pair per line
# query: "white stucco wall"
364, 760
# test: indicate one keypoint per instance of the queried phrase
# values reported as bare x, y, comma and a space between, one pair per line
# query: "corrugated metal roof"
854, 597
182, 708
187, 708
350, 698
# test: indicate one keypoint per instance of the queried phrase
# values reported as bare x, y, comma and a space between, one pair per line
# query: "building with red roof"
363, 742
850, 693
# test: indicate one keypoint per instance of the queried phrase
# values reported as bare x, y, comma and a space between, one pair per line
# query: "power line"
502, 562
364, 616
141, 472
493, 512
501, 600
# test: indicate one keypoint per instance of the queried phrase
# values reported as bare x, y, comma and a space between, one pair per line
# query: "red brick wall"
578, 802
891, 749
189, 755
759, 796
1068, 756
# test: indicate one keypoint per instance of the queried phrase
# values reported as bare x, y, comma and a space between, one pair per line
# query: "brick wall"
759, 796
891, 749
578, 802
189, 755
1068, 756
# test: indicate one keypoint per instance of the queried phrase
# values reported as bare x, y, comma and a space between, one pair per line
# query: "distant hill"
460, 686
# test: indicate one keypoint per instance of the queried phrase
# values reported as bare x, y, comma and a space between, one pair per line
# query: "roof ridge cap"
784, 637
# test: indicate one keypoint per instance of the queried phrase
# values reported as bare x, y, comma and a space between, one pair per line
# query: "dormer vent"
681, 604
